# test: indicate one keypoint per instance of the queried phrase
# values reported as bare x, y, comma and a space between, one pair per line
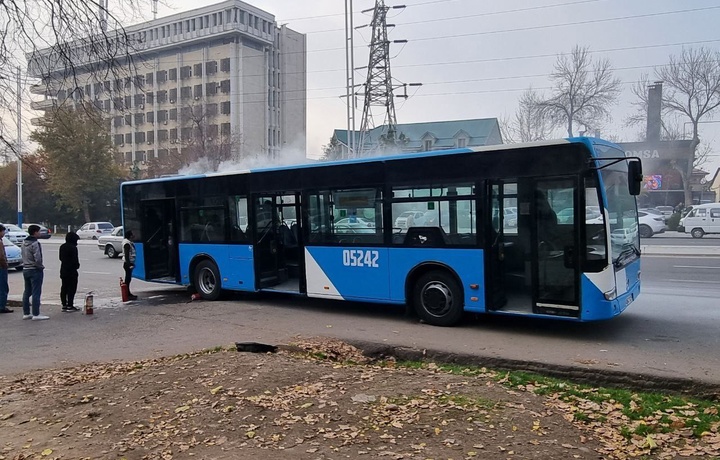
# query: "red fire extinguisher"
124, 291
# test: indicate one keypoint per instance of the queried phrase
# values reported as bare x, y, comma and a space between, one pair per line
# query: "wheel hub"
207, 281
437, 298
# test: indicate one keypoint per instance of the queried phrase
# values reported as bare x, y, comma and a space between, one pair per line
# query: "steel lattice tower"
378, 85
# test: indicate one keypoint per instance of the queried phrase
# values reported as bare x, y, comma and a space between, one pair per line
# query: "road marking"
696, 266
97, 273
694, 281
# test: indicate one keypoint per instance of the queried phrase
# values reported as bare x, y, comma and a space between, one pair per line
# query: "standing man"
69, 265
33, 270
4, 288
129, 256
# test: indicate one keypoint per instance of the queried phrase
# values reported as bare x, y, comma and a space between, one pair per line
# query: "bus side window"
238, 219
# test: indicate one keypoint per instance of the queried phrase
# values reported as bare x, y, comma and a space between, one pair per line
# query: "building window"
225, 65
225, 108
173, 114
173, 134
185, 72
139, 118
139, 100
211, 67
161, 96
118, 139
225, 86
197, 71
162, 154
211, 110
128, 138
185, 92
185, 134
162, 115
149, 78
173, 95
149, 97
150, 117
128, 120
162, 135
128, 157
173, 74
197, 91
161, 76
128, 101
185, 114
225, 129
140, 137
211, 89
212, 131
150, 137
107, 104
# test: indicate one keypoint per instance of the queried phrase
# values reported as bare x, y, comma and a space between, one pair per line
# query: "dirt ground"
298, 403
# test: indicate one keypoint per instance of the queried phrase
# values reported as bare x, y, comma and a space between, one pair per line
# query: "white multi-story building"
222, 74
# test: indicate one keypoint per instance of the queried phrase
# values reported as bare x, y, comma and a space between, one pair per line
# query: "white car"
14, 254
650, 224
15, 234
111, 245
94, 230
401, 221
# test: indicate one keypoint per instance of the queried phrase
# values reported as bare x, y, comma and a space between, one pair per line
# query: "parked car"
111, 244
44, 234
650, 224
15, 234
352, 221
14, 254
94, 230
401, 221
654, 211
702, 219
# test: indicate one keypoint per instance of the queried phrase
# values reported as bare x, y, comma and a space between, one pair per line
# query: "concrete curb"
586, 375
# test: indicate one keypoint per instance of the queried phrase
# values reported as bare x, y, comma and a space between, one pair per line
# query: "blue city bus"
547, 229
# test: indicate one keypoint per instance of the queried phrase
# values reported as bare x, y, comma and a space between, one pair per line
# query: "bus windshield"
622, 211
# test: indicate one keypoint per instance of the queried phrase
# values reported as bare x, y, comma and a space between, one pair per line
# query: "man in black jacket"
69, 265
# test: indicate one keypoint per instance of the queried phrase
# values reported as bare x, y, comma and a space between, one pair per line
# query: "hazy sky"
475, 57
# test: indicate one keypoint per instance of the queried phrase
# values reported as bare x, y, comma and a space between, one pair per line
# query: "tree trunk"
691, 165
86, 210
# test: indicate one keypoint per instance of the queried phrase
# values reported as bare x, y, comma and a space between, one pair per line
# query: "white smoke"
289, 155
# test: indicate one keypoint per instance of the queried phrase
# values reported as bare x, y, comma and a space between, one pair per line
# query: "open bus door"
532, 258
159, 240
555, 243
277, 242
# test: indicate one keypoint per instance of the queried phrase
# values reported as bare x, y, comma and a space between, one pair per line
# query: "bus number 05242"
360, 258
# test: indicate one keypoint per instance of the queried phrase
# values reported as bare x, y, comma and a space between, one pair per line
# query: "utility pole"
379, 82
350, 77
19, 151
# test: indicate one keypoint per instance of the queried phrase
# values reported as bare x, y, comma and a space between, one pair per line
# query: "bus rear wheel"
207, 280
438, 298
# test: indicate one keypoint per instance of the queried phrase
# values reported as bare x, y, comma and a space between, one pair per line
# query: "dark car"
44, 234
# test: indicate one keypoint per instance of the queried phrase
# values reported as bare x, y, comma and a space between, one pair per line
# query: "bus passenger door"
159, 240
555, 256
277, 241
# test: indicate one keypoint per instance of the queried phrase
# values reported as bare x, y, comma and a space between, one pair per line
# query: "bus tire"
697, 233
438, 298
207, 280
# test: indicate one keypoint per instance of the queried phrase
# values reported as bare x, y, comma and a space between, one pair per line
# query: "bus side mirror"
635, 176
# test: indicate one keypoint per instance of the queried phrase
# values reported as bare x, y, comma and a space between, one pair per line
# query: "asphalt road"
670, 331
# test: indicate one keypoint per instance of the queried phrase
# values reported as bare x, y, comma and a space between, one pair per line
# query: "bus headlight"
611, 294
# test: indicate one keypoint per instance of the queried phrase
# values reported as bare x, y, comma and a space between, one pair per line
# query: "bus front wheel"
207, 280
438, 299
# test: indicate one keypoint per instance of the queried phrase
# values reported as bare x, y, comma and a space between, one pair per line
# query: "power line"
343, 14
491, 13
549, 26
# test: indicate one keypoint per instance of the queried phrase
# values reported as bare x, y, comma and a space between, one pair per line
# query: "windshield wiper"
627, 251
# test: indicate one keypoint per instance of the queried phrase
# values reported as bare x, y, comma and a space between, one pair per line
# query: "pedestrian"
33, 270
69, 265
4, 288
129, 256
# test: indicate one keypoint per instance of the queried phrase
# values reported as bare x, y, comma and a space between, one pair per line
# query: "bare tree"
529, 123
692, 83
58, 37
583, 91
